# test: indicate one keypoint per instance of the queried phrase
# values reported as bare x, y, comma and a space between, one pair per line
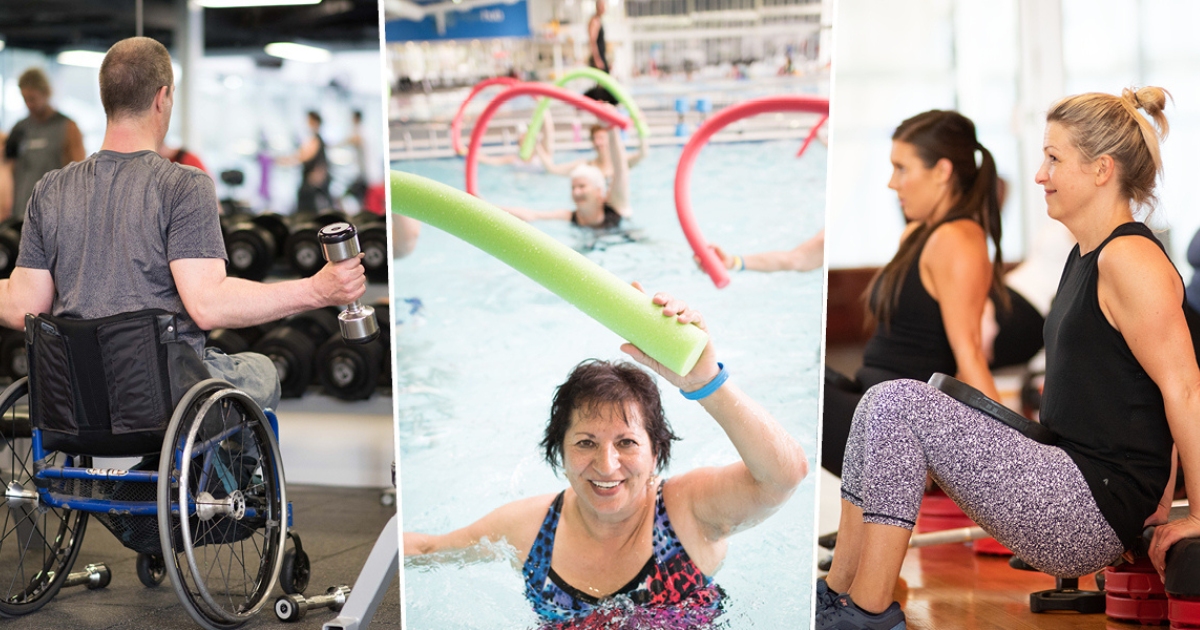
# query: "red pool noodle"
602, 111
683, 172
456, 124
812, 134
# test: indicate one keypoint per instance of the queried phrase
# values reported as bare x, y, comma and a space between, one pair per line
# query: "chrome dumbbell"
339, 241
93, 576
294, 607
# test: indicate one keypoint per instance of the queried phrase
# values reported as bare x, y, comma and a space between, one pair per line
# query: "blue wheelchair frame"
133, 508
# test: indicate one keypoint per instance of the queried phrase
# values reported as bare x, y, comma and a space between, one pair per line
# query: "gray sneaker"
844, 615
825, 596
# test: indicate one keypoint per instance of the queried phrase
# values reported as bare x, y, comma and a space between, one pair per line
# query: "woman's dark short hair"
594, 384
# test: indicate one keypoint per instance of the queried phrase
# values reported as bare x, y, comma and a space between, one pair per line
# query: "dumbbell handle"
339, 241
92, 575
333, 599
294, 607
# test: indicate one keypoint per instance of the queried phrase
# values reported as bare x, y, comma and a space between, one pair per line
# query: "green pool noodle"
607, 82
602, 296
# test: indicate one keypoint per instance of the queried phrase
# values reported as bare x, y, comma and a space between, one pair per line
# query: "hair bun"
1150, 99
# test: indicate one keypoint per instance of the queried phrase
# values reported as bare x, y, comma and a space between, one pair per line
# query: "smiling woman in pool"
618, 529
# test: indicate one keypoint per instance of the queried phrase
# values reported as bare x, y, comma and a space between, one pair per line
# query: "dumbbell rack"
340, 442
272, 245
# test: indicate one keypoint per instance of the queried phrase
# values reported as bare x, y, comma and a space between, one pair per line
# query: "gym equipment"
330, 217
251, 250
600, 77
383, 313
302, 250
1183, 584
93, 576
339, 241
295, 607
1066, 596
354, 371
14, 362
10, 246
233, 178
976, 399
212, 475
350, 371
604, 113
235, 340
372, 239
292, 347
683, 172
947, 537
456, 123
616, 305
277, 226
1134, 592
373, 581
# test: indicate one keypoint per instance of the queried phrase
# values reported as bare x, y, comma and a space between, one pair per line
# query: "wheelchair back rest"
107, 386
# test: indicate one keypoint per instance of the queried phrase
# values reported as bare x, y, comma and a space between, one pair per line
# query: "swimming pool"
478, 363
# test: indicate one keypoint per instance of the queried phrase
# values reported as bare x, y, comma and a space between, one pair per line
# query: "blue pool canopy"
495, 20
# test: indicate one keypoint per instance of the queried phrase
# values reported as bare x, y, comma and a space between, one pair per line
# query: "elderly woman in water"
619, 533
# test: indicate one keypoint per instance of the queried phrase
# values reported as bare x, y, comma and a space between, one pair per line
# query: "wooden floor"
950, 588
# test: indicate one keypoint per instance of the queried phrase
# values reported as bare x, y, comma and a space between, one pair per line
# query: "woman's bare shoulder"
955, 240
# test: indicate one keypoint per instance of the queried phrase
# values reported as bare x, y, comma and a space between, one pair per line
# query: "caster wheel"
294, 574
151, 569
287, 610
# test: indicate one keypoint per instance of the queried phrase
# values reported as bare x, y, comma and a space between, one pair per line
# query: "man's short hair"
34, 79
133, 71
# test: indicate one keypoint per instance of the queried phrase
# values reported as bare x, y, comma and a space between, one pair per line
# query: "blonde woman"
1122, 384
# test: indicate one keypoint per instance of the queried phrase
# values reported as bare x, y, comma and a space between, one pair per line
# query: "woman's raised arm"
772, 464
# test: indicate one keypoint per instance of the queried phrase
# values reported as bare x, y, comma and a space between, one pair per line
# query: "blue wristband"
713, 385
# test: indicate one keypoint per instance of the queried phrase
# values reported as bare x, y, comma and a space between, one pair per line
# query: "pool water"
481, 349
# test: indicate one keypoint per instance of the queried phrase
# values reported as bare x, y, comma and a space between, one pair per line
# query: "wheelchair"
205, 506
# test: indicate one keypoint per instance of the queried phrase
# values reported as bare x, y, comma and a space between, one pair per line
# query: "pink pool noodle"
683, 172
812, 134
456, 124
602, 111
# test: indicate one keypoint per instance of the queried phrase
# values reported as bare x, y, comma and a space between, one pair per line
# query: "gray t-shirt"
107, 228
36, 148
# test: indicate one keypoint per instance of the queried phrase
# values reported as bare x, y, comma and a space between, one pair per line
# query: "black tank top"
914, 344
1106, 410
612, 219
600, 47
318, 159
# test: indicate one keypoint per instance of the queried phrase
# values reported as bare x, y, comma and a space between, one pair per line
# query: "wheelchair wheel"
38, 544
222, 514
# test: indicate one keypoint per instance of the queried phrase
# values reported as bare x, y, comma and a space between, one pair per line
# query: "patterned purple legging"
1031, 497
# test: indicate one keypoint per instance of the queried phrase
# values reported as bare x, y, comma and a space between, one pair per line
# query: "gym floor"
337, 526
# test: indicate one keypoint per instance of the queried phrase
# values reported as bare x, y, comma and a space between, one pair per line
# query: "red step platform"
939, 512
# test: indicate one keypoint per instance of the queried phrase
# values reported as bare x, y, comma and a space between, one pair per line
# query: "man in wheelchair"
127, 230
121, 271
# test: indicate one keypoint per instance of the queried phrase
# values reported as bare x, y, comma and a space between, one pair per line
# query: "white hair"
592, 174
